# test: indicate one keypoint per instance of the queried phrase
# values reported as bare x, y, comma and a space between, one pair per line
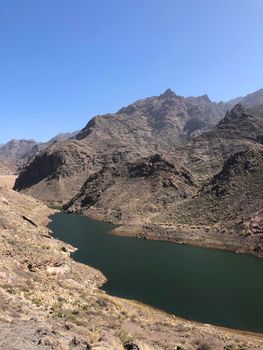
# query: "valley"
165, 168
144, 169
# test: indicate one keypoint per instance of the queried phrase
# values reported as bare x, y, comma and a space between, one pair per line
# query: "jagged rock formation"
156, 123
153, 125
138, 191
206, 154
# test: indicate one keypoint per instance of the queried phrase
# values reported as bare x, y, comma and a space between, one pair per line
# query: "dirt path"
8, 180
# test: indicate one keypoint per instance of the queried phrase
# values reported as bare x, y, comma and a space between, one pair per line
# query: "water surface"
206, 285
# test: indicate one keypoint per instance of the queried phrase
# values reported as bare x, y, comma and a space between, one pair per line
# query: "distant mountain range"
250, 100
16, 153
183, 118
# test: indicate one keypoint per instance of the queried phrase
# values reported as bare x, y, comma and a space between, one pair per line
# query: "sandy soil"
8, 180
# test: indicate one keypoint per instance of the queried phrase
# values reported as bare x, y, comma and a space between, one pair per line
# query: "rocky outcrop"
132, 191
58, 172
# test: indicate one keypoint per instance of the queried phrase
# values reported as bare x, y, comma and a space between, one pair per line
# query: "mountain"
251, 100
136, 192
132, 191
157, 124
205, 155
16, 150
16, 153
228, 211
155, 163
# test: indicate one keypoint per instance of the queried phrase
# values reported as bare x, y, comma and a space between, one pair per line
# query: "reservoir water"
206, 285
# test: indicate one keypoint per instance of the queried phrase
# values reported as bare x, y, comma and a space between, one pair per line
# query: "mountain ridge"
152, 125
148, 160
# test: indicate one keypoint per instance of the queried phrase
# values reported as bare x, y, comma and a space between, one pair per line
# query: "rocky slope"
153, 125
137, 191
50, 302
207, 193
7, 168
226, 211
133, 191
206, 154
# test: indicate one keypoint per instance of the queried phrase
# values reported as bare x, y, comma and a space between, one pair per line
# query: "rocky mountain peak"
205, 98
234, 114
237, 109
168, 94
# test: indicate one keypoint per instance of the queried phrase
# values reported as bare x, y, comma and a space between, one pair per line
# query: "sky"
64, 61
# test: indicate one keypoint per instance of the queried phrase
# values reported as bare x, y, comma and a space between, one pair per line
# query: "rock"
79, 344
131, 346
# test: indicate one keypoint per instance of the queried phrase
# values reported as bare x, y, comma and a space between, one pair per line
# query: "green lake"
206, 285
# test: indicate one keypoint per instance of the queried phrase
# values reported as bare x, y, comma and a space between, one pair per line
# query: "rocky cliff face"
133, 191
154, 125
58, 172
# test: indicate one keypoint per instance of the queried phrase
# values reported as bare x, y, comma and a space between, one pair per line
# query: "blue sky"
64, 61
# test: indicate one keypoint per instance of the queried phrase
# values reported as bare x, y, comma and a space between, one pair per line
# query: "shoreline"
159, 310
126, 231
52, 299
179, 235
